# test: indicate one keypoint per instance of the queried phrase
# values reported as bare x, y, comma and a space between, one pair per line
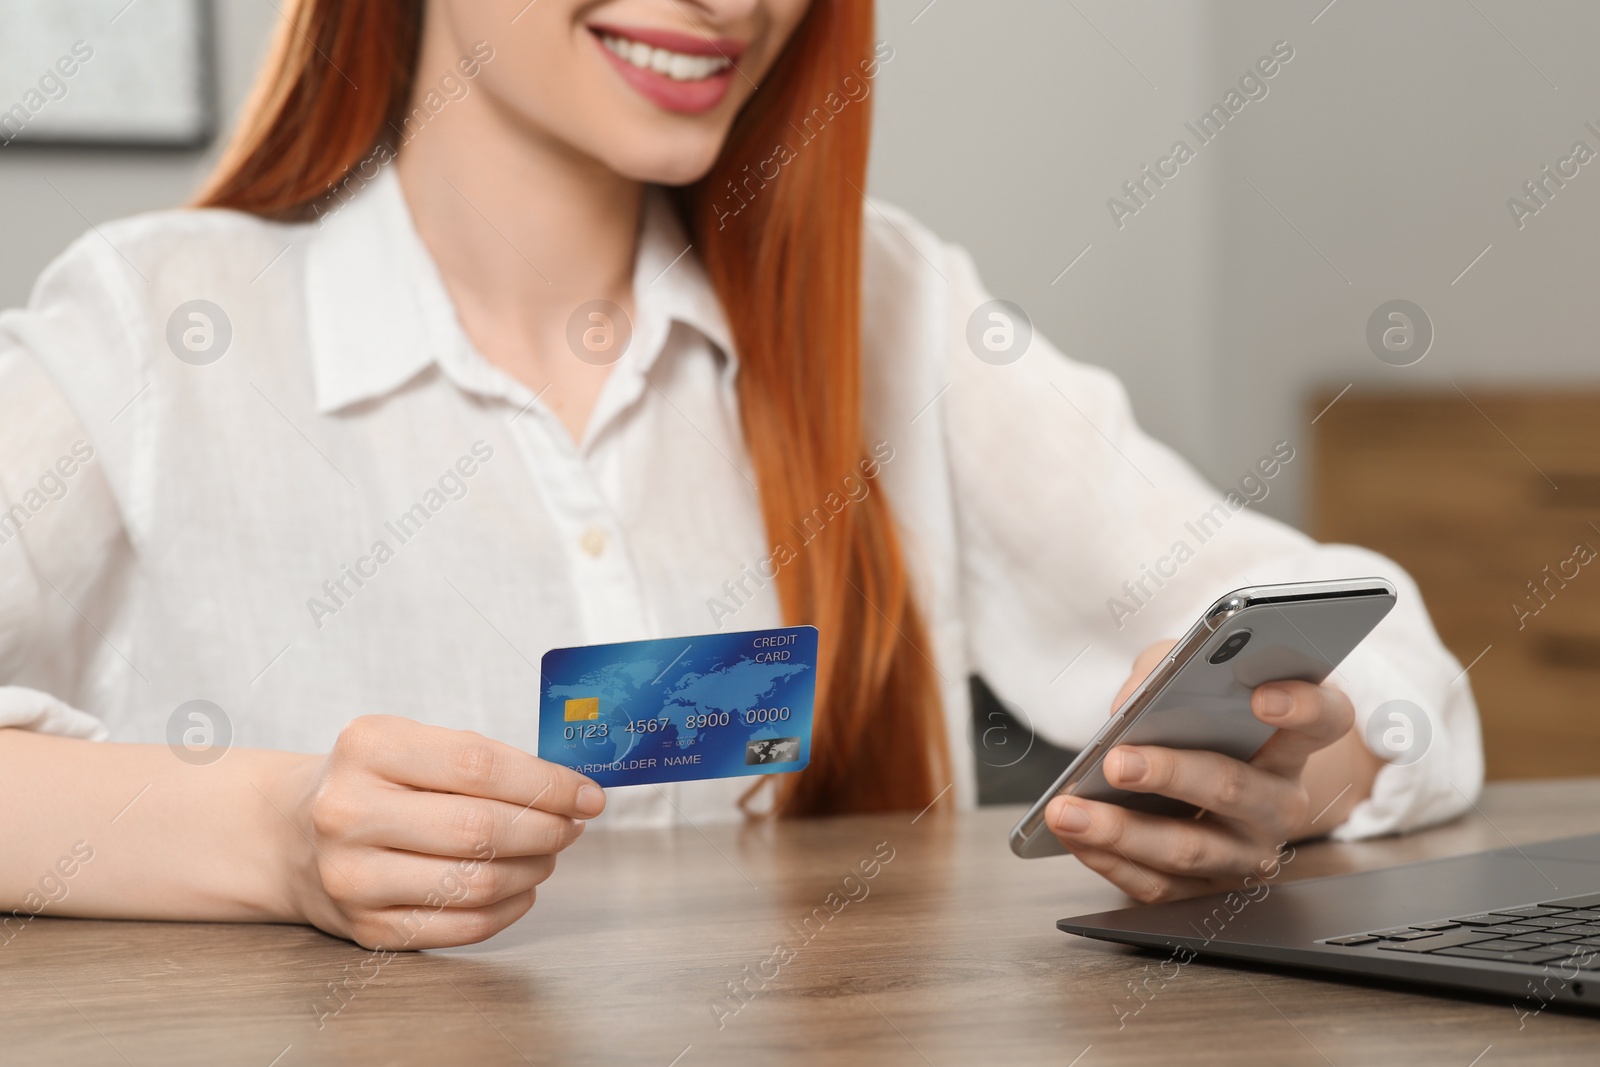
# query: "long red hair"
788, 273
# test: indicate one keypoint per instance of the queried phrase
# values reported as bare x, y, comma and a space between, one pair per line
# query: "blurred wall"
1400, 141
1376, 166
1006, 127
49, 195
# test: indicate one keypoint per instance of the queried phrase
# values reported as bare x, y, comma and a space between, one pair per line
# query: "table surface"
947, 955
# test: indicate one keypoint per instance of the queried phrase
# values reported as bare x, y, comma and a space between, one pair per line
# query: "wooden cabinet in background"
1492, 502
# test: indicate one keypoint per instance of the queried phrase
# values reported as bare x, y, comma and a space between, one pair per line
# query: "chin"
666, 164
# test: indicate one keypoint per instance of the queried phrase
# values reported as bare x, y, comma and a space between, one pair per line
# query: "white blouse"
312, 498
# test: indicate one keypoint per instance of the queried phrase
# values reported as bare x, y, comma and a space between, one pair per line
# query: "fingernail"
1275, 703
1072, 819
1132, 766
591, 801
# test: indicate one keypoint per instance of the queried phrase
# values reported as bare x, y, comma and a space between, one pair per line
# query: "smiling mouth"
685, 73
678, 66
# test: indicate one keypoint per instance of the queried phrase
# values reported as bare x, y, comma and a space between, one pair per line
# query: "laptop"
1519, 922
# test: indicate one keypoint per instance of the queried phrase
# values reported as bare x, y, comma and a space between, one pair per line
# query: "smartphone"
1199, 696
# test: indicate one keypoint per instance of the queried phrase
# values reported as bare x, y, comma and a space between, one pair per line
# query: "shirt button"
593, 541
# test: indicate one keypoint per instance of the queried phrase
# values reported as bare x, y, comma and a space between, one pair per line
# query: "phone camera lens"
1231, 647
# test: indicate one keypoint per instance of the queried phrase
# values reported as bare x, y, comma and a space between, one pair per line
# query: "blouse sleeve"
63, 550
1083, 540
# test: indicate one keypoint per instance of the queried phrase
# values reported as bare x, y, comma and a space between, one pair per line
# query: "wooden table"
948, 955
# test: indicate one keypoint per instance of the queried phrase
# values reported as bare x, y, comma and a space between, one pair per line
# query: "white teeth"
679, 66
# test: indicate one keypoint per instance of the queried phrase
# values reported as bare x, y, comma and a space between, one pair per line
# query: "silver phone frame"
1030, 838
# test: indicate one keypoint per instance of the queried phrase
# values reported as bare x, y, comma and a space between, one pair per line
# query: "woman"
510, 326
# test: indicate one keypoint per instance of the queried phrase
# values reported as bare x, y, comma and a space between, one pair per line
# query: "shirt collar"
669, 280
378, 314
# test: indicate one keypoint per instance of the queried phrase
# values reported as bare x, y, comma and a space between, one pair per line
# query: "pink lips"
683, 97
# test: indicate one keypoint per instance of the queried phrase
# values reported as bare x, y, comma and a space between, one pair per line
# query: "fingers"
457, 761
445, 824
1269, 803
1180, 848
376, 880
1143, 664
1143, 884
422, 836
409, 928
1308, 717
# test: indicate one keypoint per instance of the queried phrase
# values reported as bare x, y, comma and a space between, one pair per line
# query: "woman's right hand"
416, 836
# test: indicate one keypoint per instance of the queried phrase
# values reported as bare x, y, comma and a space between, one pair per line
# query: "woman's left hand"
1250, 808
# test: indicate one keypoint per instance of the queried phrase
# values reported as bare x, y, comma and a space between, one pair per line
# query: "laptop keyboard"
1530, 934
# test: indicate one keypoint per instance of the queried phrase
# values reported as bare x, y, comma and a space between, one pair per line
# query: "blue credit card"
678, 709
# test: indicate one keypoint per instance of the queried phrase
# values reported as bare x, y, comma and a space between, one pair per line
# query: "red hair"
788, 273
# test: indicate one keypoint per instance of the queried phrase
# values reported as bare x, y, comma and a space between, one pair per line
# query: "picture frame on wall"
107, 73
